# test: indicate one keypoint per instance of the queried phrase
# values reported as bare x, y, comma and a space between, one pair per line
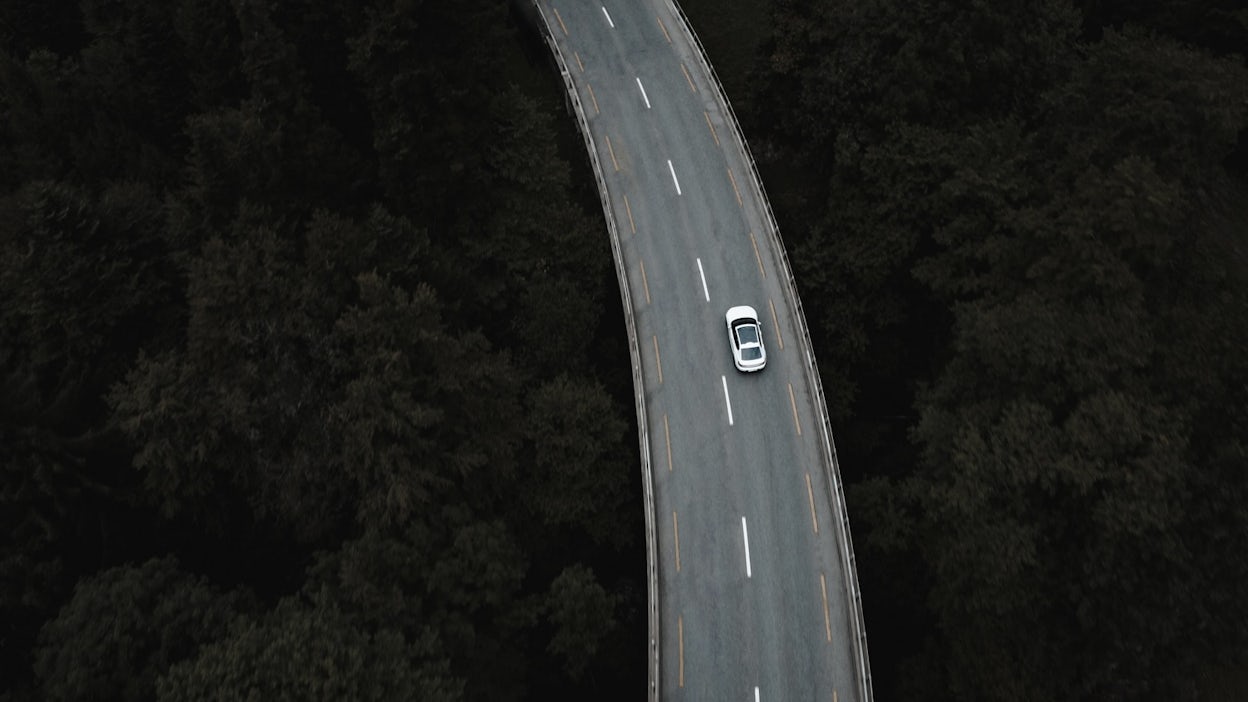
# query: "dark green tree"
124, 627
209, 35
582, 613
1058, 498
85, 274
279, 276
415, 404
55, 26
1220, 26
852, 70
39, 488
362, 408
311, 650
275, 147
1070, 210
580, 475
475, 583
448, 577
428, 71
240, 406
134, 69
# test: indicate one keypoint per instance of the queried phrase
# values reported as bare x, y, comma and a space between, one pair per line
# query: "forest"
314, 381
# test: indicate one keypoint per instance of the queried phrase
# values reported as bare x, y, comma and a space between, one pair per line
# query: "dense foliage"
1021, 232
312, 375
309, 351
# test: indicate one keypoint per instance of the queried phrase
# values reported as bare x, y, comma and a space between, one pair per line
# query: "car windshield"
748, 334
751, 353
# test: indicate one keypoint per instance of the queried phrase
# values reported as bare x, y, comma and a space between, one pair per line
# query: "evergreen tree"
126, 626
310, 650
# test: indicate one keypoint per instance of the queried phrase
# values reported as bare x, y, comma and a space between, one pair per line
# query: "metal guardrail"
832, 466
634, 352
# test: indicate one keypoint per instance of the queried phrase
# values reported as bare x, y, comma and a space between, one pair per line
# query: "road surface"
753, 591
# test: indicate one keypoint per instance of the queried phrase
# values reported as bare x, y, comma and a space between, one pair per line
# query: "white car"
745, 335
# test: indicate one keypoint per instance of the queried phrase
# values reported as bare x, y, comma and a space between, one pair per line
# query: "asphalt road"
753, 590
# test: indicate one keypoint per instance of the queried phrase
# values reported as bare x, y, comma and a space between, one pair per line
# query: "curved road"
756, 593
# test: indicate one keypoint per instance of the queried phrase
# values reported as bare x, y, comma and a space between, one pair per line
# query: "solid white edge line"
705, 293
745, 534
673, 172
727, 401
643, 93
604, 11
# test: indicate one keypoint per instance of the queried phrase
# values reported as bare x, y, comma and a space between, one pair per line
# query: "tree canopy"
1031, 238
284, 334
313, 382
